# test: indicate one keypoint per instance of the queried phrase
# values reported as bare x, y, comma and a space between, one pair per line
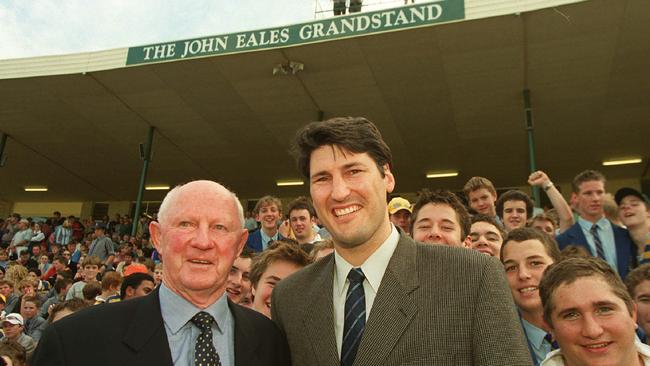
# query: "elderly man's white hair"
164, 206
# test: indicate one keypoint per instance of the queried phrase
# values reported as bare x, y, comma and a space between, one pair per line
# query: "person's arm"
38, 237
498, 336
540, 179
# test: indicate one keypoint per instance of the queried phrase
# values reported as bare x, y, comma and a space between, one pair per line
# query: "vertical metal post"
143, 179
531, 142
3, 143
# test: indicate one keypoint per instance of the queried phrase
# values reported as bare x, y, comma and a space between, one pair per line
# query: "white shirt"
373, 268
555, 358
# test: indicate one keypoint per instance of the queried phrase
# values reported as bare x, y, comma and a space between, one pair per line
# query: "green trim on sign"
356, 24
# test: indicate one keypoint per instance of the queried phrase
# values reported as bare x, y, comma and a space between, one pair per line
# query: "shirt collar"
602, 223
176, 311
535, 335
373, 268
266, 238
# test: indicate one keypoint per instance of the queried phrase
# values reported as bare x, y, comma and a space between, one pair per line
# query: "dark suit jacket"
436, 305
625, 249
132, 333
254, 241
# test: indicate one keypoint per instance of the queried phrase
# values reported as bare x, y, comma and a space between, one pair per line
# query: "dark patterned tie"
551, 341
204, 352
599, 244
355, 317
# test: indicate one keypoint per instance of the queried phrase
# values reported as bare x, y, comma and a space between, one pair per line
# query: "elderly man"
188, 320
382, 299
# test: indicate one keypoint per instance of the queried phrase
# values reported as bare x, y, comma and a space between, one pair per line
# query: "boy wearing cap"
634, 213
399, 211
13, 326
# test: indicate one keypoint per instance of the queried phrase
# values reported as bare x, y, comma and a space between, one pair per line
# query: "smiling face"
592, 325
275, 272
514, 214
633, 212
485, 238
589, 200
199, 236
482, 201
301, 224
524, 263
268, 217
239, 283
349, 194
437, 224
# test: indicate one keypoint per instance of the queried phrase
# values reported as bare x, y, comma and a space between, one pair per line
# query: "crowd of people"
346, 276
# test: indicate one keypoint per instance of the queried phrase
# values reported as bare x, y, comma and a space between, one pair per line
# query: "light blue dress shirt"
540, 346
606, 235
182, 333
266, 239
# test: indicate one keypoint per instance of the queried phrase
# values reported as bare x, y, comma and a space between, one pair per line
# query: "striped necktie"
549, 338
355, 317
600, 252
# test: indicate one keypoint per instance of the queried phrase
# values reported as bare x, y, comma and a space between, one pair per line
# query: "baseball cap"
135, 268
13, 318
399, 203
627, 191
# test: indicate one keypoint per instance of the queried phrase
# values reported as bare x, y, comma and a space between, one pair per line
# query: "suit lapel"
319, 325
147, 330
246, 341
393, 309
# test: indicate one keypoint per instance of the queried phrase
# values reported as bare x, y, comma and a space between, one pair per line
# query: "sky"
31, 28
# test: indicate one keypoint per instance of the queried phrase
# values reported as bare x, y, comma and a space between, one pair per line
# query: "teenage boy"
481, 196
239, 283
593, 231
638, 285
514, 208
440, 218
485, 235
272, 266
525, 254
302, 221
34, 323
399, 213
13, 327
268, 211
90, 266
634, 213
590, 314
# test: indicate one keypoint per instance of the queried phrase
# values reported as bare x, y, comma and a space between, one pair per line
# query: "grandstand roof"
445, 96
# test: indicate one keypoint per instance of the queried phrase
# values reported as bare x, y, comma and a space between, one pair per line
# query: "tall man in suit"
381, 298
593, 231
189, 319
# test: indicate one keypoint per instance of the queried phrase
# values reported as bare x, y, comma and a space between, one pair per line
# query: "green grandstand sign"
352, 25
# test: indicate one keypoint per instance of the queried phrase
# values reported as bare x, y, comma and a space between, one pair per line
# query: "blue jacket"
625, 249
254, 241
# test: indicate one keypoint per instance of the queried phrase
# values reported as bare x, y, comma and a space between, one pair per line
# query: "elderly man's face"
199, 238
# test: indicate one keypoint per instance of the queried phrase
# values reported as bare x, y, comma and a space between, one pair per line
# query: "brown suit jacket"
436, 305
